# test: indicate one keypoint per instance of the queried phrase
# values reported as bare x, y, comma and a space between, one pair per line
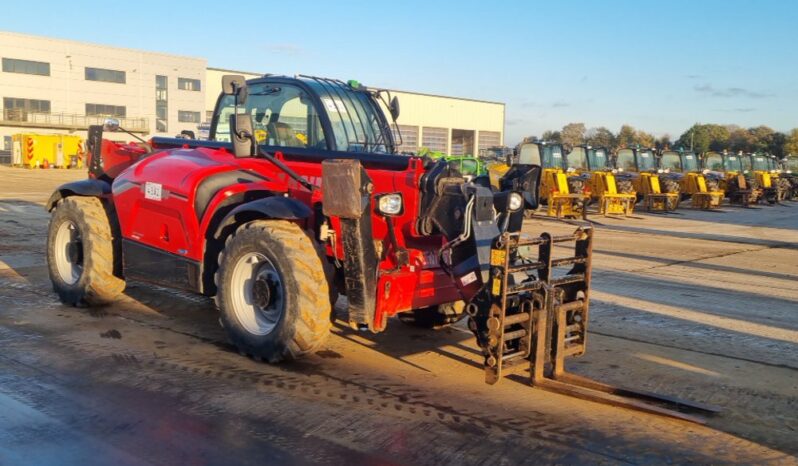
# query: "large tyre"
576, 185
672, 186
624, 186
272, 291
712, 184
435, 317
80, 253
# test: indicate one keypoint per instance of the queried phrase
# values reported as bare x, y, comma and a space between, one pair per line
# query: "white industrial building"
63, 86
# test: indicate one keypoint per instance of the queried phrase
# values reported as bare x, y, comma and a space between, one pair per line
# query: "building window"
409, 139
187, 84
13, 65
488, 139
17, 109
109, 76
161, 104
208, 115
106, 110
184, 116
435, 139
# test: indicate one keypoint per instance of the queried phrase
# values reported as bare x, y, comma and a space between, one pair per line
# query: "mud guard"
274, 207
346, 194
88, 187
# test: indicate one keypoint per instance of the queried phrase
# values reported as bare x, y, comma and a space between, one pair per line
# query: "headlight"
516, 201
660, 170
390, 204
620, 169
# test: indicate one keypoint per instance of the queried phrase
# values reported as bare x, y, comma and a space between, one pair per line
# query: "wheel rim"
68, 252
257, 293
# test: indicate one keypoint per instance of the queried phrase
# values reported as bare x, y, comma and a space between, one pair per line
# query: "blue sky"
660, 66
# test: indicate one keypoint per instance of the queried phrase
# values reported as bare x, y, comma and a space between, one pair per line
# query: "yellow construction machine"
554, 188
757, 166
727, 170
591, 167
683, 166
640, 167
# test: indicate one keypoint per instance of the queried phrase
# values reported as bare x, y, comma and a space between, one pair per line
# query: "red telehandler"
299, 195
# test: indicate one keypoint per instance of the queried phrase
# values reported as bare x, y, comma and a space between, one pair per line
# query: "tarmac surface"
699, 305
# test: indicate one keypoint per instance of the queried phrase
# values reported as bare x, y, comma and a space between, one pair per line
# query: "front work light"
390, 204
516, 201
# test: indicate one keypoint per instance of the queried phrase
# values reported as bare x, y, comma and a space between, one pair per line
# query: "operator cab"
307, 114
543, 154
671, 161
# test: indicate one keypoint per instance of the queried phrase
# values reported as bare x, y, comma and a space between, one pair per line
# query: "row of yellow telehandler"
589, 175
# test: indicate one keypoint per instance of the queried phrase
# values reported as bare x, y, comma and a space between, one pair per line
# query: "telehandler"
640, 167
591, 166
727, 170
274, 230
693, 182
756, 164
789, 175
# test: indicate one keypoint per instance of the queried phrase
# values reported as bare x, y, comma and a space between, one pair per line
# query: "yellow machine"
592, 165
644, 174
554, 189
757, 164
684, 167
727, 170
47, 150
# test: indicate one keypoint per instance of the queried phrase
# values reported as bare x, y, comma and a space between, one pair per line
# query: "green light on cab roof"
354, 83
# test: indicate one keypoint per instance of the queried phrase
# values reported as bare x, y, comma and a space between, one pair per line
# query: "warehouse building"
57, 86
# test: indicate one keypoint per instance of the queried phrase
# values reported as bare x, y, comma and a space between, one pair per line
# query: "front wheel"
272, 291
80, 253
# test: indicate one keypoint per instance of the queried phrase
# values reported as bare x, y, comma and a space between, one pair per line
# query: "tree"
703, 138
740, 139
762, 138
600, 137
573, 134
551, 136
644, 139
663, 142
791, 143
627, 136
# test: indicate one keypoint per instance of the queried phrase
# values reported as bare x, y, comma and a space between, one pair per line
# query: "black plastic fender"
88, 187
274, 207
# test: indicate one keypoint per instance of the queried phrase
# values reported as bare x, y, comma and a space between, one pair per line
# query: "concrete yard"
700, 305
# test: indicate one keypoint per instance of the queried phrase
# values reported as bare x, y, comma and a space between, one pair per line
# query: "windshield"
671, 161
282, 115
645, 160
357, 121
714, 161
577, 158
626, 160
689, 162
733, 163
552, 156
746, 162
597, 159
791, 163
760, 163
529, 154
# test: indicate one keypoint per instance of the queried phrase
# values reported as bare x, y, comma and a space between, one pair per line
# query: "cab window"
282, 116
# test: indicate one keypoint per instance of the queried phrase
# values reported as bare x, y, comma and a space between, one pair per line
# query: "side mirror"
235, 84
111, 124
241, 135
394, 107
187, 134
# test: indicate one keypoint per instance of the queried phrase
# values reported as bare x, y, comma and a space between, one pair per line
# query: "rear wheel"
434, 317
672, 186
272, 291
80, 253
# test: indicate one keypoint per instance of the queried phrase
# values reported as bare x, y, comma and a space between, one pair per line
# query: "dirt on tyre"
434, 317
80, 253
273, 294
